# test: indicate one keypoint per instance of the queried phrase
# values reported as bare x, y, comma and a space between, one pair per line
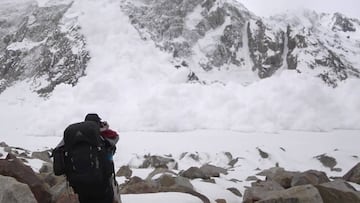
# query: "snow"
292, 150
133, 86
161, 198
193, 18
24, 45
128, 87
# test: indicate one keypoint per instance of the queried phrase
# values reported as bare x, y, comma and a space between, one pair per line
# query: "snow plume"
133, 85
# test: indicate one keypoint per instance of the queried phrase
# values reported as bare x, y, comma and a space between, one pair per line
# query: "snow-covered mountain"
175, 66
41, 45
183, 79
225, 35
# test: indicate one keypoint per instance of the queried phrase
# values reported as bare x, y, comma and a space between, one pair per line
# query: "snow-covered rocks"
40, 45
309, 186
225, 35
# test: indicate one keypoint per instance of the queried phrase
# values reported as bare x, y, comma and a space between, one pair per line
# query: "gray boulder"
279, 175
338, 191
43, 155
15, 192
353, 175
312, 177
154, 161
124, 171
193, 173
298, 194
213, 171
260, 190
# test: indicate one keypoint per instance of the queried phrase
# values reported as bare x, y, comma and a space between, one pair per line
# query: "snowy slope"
132, 84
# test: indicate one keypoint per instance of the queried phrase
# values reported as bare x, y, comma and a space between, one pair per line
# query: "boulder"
279, 175
124, 171
220, 201
338, 191
193, 173
260, 190
327, 161
62, 193
51, 179
136, 185
339, 184
353, 175
3, 144
312, 177
43, 155
11, 166
235, 191
166, 180
68, 198
46, 168
158, 162
263, 154
333, 195
15, 192
298, 194
212, 171
183, 182
251, 178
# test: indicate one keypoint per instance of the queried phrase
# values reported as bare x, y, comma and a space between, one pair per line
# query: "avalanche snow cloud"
133, 85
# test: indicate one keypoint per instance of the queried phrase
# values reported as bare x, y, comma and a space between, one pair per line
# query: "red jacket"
110, 134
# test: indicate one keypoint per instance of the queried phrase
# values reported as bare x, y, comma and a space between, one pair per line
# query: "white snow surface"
292, 150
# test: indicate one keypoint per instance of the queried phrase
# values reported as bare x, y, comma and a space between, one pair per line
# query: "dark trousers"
107, 197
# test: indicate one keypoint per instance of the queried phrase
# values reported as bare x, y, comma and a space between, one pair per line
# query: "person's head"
93, 117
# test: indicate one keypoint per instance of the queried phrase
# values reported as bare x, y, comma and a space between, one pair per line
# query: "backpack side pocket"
58, 155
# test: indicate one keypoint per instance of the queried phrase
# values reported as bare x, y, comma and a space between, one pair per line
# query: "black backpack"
87, 167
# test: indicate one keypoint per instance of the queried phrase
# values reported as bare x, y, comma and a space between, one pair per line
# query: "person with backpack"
85, 156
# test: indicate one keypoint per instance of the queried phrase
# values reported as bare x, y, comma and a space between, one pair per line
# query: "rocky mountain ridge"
43, 46
40, 45
225, 35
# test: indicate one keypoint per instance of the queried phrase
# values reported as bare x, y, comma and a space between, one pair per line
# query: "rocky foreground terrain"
20, 183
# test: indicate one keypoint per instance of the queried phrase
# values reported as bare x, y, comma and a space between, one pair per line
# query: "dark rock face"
166, 22
223, 35
39, 46
265, 52
342, 23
